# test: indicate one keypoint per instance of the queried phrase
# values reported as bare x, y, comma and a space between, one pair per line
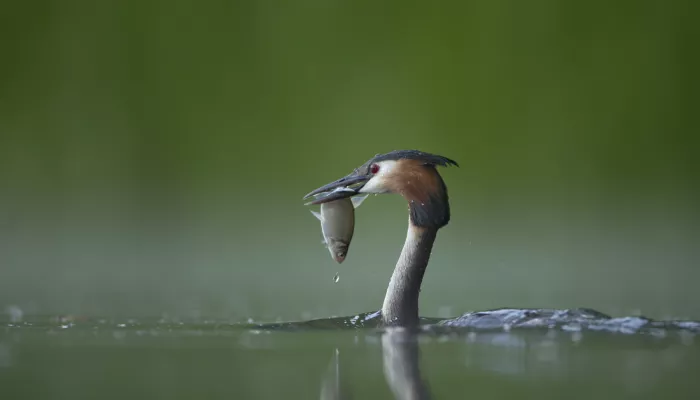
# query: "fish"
338, 224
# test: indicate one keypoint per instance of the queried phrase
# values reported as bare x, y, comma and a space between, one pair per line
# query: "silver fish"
338, 224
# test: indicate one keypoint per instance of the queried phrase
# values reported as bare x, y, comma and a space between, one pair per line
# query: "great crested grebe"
413, 175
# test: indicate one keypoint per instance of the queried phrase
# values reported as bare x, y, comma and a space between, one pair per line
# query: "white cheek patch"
378, 183
373, 186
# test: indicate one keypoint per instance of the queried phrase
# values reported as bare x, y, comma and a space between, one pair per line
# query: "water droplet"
336, 278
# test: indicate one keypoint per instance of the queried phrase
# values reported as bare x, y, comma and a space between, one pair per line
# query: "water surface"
66, 357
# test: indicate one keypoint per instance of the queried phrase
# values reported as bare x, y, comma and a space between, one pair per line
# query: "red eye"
374, 168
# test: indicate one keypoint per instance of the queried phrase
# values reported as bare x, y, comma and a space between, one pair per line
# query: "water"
341, 358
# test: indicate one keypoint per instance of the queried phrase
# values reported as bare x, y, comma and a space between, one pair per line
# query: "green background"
153, 154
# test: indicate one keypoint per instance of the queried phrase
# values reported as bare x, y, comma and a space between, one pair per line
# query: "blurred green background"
153, 155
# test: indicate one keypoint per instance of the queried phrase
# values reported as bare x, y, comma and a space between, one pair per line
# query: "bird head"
409, 173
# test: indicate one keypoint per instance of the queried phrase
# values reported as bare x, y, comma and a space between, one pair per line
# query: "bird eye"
374, 168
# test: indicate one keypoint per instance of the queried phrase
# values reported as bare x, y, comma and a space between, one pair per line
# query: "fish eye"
373, 169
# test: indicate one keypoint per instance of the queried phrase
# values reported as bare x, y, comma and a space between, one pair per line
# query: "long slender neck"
401, 301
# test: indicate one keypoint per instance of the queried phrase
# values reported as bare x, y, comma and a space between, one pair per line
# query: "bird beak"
344, 187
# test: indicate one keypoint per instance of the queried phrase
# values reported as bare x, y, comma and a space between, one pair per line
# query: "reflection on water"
70, 357
401, 364
332, 385
5, 356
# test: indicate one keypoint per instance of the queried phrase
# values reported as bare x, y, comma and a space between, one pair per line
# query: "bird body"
413, 175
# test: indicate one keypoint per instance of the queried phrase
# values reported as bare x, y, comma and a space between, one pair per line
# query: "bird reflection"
401, 356
401, 364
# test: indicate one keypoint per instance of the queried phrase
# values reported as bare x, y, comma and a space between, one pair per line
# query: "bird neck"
401, 301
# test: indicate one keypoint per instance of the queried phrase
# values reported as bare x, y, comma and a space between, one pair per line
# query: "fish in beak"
384, 173
337, 219
337, 214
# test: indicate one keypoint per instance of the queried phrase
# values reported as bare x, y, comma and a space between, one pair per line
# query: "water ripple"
577, 319
503, 319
